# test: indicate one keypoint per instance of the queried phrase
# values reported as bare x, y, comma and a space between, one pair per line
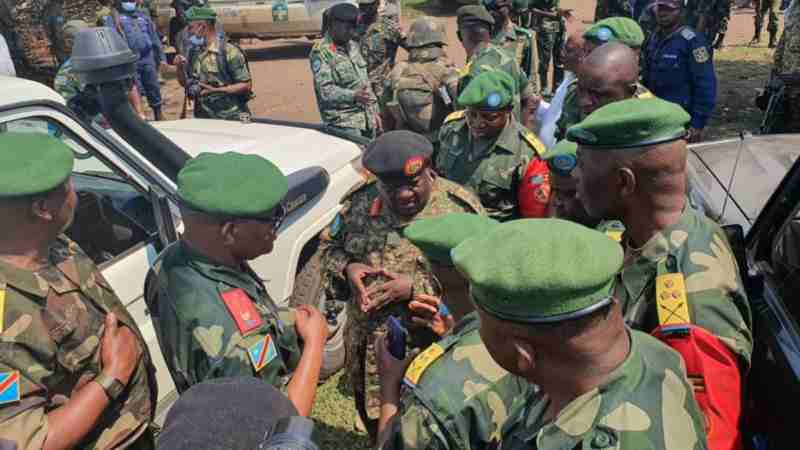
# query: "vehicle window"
786, 261
113, 215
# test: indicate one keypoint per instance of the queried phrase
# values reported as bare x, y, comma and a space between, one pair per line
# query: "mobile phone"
396, 338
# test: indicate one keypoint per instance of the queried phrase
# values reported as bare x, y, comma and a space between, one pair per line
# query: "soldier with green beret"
608, 74
544, 290
215, 73
484, 147
371, 264
454, 395
74, 371
680, 281
475, 30
214, 317
516, 40
614, 29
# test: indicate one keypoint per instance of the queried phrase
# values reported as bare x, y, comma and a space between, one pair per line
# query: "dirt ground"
284, 87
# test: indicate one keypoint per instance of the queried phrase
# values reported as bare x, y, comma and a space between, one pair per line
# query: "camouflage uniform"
53, 20
787, 61
519, 42
549, 40
771, 9
371, 234
51, 329
414, 91
69, 86
646, 403
461, 399
612, 8
571, 111
493, 167
205, 69
213, 321
378, 45
716, 14
493, 57
697, 248
338, 73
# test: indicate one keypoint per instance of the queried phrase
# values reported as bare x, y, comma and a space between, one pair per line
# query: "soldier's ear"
525, 355
228, 233
626, 180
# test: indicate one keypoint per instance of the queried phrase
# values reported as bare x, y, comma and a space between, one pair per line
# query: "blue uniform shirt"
679, 69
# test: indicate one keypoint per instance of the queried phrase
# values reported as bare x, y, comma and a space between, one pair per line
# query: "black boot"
772, 40
157, 114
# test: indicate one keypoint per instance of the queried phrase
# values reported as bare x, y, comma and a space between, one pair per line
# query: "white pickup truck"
120, 220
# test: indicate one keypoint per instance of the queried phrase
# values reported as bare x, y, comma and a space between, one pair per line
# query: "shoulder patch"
700, 54
673, 307
453, 116
534, 142
688, 34
10, 390
242, 310
316, 63
421, 363
262, 352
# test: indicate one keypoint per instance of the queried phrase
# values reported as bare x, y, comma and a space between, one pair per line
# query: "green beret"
620, 29
32, 163
474, 13
491, 90
437, 236
540, 270
631, 123
563, 157
196, 13
398, 154
71, 28
232, 184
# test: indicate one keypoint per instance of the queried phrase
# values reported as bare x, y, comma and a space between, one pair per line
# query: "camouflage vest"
463, 388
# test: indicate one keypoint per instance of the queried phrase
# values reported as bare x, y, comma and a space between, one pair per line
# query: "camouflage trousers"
549, 45
362, 368
768, 8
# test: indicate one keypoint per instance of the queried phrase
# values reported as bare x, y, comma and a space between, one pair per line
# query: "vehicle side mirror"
167, 232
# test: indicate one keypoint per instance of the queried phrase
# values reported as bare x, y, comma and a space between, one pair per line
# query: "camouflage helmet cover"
425, 31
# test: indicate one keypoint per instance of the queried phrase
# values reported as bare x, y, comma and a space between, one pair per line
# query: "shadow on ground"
291, 49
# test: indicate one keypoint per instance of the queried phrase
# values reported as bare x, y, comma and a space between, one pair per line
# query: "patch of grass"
741, 70
335, 413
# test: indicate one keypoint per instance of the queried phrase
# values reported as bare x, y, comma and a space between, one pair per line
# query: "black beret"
398, 154
344, 12
224, 414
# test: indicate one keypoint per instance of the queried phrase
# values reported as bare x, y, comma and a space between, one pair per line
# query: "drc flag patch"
262, 352
9, 387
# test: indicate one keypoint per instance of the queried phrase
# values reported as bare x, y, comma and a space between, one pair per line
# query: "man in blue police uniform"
679, 68
140, 32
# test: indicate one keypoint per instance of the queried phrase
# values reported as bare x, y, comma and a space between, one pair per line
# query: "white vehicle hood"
289, 148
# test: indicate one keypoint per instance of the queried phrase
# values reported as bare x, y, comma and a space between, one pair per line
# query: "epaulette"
673, 306
464, 71
688, 34
421, 363
533, 141
456, 115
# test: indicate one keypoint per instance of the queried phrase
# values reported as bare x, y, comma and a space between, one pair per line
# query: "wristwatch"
111, 385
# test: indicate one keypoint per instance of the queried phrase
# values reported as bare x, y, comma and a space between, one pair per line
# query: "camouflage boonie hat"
425, 31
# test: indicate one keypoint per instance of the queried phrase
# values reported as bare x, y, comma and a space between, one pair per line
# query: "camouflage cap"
232, 184
492, 90
425, 31
344, 12
32, 163
437, 236
540, 270
196, 13
612, 29
474, 13
71, 28
562, 158
398, 154
631, 124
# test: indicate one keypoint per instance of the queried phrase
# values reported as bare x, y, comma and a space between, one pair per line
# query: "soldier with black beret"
373, 265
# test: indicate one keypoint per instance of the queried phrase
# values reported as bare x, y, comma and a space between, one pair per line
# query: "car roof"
17, 90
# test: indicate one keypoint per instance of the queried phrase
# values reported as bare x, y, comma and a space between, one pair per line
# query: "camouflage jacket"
787, 54
546, 24
492, 168
69, 86
205, 68
520, 42
51, 326
571, 111
697, 248
646, 403
53, 19
338, 74
213, 321
414, 91
378, 45
612, 8
459, 398
493, 57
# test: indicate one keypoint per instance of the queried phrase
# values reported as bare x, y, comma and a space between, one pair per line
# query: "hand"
398, 288
378, 124
390, 370
426, 312
566, 14
179, 60
355, 273
119, 351
208, 89
363, 96
311, 325
695, 135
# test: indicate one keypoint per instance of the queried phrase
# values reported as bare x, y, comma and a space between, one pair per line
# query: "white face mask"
128, 6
